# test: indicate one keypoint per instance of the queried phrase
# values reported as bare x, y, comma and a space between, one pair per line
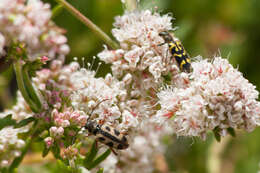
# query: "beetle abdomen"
112, 138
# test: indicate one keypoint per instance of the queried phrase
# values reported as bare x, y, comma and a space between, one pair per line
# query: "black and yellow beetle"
107, 134
177, 51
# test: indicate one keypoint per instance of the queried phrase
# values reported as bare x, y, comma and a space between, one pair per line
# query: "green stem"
30, 89
130, 5
56, 11
89, 24
19, 78
216, 149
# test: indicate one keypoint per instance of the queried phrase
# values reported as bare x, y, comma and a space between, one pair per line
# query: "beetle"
106, 134
177, 50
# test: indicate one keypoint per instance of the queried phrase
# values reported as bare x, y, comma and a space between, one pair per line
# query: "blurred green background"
207, 28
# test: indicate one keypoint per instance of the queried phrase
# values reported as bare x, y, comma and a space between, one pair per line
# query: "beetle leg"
161, 44
96, 143
113, 151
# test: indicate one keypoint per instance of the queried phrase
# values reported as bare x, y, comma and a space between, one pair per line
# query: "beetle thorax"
91, 125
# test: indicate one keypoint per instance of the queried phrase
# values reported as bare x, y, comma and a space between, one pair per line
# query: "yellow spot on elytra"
178, 55
182, 63
171, 46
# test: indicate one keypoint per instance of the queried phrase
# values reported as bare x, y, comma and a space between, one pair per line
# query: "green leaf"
45, 151
63, 167
100, 158
90, 155
24, 122
7, 121
56, 150
4, 170
231, 131
101, 170
216, 134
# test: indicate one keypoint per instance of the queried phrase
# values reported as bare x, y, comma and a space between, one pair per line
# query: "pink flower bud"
44, 59
55, 114
65, 123
82, 120
53, 131
49, 141
60, 131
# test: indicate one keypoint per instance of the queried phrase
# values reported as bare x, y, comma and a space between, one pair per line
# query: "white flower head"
138, 35
30, 22
215, 96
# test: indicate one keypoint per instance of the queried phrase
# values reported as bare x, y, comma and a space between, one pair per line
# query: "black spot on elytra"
116, 132
110, 136
95, 131
101, 139
120, 147
108, 128
110, 144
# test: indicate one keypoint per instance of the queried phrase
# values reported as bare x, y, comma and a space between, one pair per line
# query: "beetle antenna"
96, 107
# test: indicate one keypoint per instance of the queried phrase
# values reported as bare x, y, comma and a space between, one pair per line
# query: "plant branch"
20, 82
89, 24
30, 89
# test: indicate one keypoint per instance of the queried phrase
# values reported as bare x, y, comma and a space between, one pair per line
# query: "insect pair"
177, 51
106, 134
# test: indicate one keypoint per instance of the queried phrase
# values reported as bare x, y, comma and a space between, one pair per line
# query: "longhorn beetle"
177, 50
106, 134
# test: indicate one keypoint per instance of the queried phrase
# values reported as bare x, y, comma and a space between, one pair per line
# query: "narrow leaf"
45, 151
24, 122
56, 151
231, 131
100, 158
216, 134
7, 121
91, 154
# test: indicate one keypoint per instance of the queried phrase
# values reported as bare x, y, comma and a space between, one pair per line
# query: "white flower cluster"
109, 92
140, 61
10, 145
215, 95
30, 22
140, 55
